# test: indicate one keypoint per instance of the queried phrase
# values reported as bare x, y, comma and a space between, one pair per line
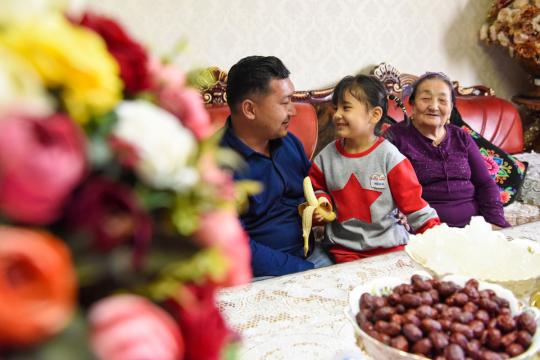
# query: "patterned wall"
321, 41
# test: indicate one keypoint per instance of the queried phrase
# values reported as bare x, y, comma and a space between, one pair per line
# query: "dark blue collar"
230, 138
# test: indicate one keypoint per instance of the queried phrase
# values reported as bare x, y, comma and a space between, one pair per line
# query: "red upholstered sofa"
495, 118
303, 124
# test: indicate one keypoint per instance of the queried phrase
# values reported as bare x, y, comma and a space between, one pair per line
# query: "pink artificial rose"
204, 330
41, 162
223, 230
111, 214
218, 178
492, 166
165, 75
126, 327
185, 103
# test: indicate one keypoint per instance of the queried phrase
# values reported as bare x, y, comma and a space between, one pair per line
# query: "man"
259, 94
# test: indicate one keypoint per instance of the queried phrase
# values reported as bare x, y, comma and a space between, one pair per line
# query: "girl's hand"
318, 219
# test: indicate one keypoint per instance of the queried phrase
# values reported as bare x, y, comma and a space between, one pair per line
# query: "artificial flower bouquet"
515, 24
117, 224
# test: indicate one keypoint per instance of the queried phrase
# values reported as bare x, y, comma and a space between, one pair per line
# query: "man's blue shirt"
272, 220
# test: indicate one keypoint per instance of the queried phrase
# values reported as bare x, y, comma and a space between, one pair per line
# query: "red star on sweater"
365, 196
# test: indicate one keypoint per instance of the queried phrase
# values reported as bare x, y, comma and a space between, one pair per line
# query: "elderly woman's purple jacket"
453, 175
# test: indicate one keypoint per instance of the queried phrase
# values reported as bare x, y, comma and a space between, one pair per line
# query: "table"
301, 316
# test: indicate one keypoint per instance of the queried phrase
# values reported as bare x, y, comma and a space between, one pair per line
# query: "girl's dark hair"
368, 90
252, 75
430, 76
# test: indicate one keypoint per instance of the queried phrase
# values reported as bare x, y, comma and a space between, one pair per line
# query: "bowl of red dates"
450, 318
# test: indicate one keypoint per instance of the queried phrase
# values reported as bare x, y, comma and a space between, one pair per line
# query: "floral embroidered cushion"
507, 171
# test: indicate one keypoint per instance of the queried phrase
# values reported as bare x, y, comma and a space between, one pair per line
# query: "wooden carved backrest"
400, 85
494, 118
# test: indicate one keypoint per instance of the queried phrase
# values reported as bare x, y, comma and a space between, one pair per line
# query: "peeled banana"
307, 209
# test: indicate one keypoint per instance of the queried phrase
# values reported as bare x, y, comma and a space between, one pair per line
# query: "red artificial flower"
505, 197
204, 330
126, 152
111, 214
37, 286
130, 55
41, 162
125, 327
223, 230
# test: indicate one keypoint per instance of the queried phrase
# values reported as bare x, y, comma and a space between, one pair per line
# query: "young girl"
365, 178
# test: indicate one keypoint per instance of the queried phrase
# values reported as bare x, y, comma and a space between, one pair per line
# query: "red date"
441, 320
412, 332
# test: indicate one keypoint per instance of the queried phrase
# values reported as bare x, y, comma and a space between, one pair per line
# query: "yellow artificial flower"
71, 60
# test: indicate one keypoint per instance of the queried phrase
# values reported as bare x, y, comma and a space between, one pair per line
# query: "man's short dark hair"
252, 75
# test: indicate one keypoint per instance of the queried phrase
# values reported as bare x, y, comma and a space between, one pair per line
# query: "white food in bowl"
475, 251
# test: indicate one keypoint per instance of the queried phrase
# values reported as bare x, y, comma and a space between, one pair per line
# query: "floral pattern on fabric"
494, 161
507, 171
507, 194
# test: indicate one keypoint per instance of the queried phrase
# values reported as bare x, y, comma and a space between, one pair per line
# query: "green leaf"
154, 199
201, 78
231, 351
99, 152
71, 343
207, 263
185, 213
243, 190
230, 159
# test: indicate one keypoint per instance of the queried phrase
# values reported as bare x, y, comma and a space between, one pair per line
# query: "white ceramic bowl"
478, 252
383, 286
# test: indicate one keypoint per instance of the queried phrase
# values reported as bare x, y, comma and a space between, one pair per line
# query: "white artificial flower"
504, 15
536, 23
484, 32
520, 38
503, 39
21, 89
517, 4
493, 33
163, 145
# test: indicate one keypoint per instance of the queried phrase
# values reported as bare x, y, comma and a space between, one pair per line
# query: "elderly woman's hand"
402, 219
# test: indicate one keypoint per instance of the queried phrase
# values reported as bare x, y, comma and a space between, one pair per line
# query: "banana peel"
306, 210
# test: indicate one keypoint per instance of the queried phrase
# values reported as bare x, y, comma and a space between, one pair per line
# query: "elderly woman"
453, 174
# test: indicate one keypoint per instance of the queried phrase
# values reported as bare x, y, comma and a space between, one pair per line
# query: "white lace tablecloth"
301, 316
530, 190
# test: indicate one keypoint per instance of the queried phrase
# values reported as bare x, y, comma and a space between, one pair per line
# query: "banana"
307, 209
